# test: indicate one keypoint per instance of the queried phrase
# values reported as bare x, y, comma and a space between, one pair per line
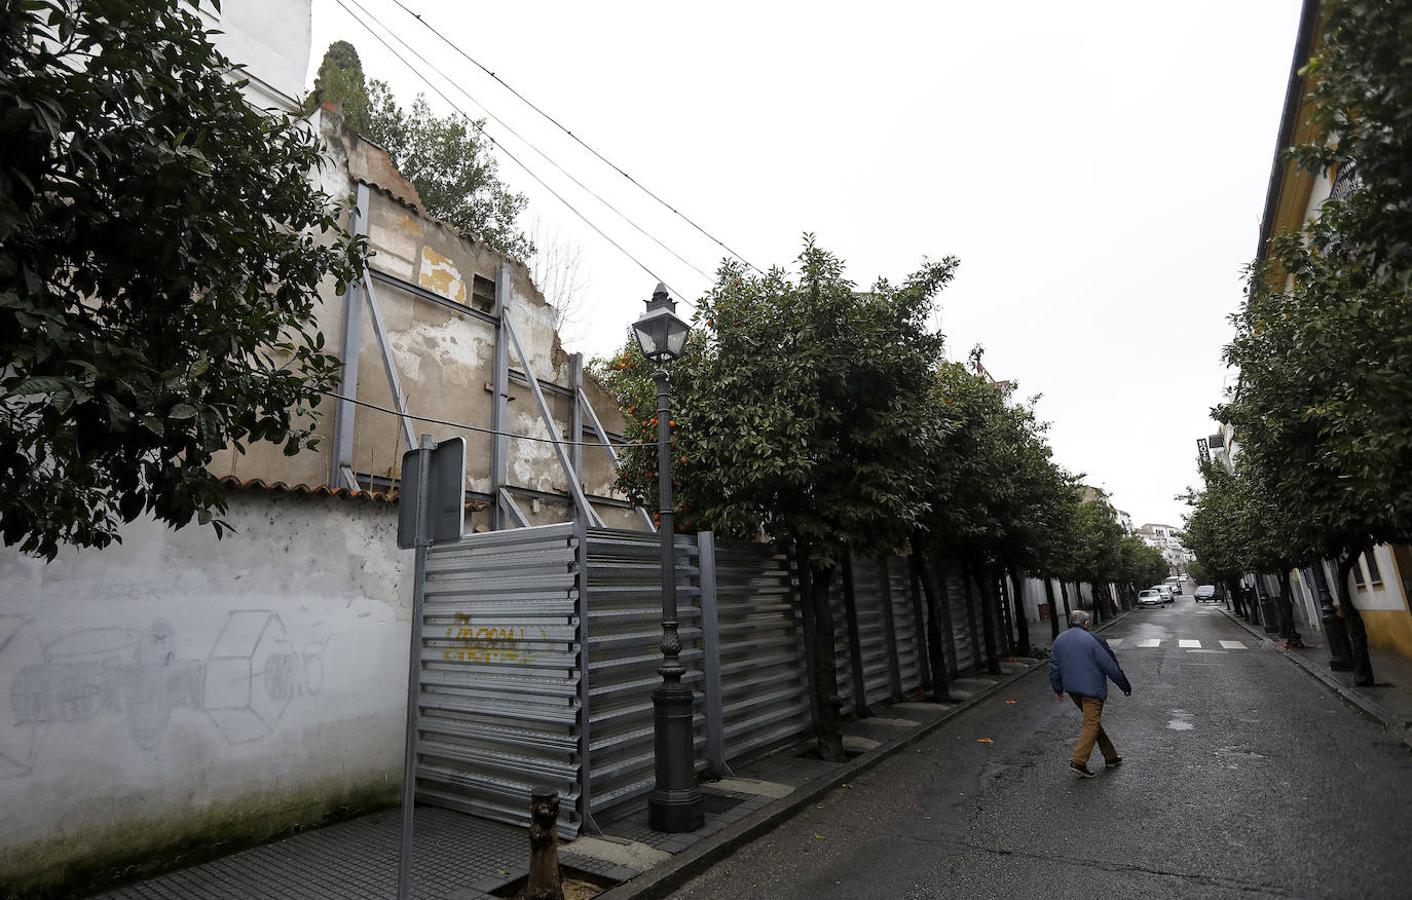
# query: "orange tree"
801, 415
162, 247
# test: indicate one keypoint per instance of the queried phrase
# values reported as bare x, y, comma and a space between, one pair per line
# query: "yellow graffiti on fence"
483, 643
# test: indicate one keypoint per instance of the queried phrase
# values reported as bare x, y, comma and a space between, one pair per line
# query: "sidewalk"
458, 857
1389, 700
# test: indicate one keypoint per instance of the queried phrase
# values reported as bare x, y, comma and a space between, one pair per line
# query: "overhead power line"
580, 141
516, 160
482, 429
527, 142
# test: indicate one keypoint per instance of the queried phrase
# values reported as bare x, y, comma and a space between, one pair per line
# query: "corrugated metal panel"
872, 631
960, 621
843, 659
625, 651
764, 684
904, 619
501, 649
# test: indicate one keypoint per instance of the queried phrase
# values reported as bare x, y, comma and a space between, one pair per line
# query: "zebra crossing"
1181, 643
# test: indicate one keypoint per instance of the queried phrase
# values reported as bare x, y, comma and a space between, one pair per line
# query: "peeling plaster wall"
176, 684
444, 354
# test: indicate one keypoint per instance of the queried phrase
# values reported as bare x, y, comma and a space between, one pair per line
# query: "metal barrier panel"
909, 660
872, 631
843, 658
501, 655
966, 656
624, 641
764, 681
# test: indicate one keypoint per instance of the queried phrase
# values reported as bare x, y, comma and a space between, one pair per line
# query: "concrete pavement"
1243, 777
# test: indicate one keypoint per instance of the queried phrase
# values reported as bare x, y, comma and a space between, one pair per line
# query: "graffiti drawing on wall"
246, 680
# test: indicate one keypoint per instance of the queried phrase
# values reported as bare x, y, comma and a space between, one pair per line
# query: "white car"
1150, 597
1165, 591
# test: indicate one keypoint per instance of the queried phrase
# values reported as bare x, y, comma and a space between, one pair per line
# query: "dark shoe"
1113, 763
1081, 770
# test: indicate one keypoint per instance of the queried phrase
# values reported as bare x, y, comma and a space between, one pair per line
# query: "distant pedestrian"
1081, 664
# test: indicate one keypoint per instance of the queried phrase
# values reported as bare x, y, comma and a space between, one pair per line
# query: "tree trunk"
971, 616
828, 718
1064, 592
1353, 621
987, 589
1022, 624
1053, 612
940, 691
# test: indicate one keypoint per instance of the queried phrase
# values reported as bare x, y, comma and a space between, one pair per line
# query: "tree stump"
545, 882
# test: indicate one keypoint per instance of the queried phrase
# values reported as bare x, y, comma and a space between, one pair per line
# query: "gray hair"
1079, 618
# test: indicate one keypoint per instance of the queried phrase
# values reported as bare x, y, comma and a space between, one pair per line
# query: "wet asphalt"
1242, 777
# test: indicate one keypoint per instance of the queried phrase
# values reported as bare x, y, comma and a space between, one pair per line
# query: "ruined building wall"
444, 356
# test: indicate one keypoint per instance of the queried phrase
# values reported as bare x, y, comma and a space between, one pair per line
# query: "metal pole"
414, 672
346, 410
676, 804
500, 393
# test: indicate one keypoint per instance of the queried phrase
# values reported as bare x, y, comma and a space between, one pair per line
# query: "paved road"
1243, 777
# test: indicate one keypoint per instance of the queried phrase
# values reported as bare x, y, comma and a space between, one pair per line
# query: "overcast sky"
1099, 168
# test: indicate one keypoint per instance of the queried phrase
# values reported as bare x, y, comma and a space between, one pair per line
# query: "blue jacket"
1081, 663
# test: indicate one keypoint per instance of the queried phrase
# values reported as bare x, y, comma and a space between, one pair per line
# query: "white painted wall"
270, 38
176, 679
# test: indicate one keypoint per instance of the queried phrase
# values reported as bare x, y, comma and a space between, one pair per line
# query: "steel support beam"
575, 488
711, 641
612, 454
389, 362
576, 415
512, 509
345, 410
500, 389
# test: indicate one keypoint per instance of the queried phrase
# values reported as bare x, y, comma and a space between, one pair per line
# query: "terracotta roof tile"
321, 490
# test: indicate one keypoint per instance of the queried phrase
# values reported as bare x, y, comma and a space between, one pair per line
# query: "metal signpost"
433, 510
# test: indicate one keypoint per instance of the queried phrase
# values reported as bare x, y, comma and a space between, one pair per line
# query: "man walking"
1081, 663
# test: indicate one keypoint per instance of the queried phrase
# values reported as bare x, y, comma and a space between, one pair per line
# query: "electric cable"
482, 429
614, 166
527, 142
528, 171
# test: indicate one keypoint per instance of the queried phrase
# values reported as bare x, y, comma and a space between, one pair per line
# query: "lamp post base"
676, 804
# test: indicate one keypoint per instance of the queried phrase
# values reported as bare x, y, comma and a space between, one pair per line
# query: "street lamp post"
676, 804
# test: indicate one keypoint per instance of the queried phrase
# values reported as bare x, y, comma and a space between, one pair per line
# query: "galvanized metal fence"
501, 699
624, 638
541, 647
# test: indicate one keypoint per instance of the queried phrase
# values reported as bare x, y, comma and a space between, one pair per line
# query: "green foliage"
160, 255
992, 488
1225, 528
340, 80
1323, 340
1363, 90
1321, 407
447, 158
798, 407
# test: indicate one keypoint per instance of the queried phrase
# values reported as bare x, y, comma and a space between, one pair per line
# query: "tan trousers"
1092, 708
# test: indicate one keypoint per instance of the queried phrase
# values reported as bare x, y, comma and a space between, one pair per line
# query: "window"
1358, 575
1373, 574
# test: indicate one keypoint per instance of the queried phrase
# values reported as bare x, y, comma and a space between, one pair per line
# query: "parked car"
1165, 591
1150, 597
1211, 592
1175, 584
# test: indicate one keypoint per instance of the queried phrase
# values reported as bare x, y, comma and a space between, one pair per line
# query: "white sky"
1099, 168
